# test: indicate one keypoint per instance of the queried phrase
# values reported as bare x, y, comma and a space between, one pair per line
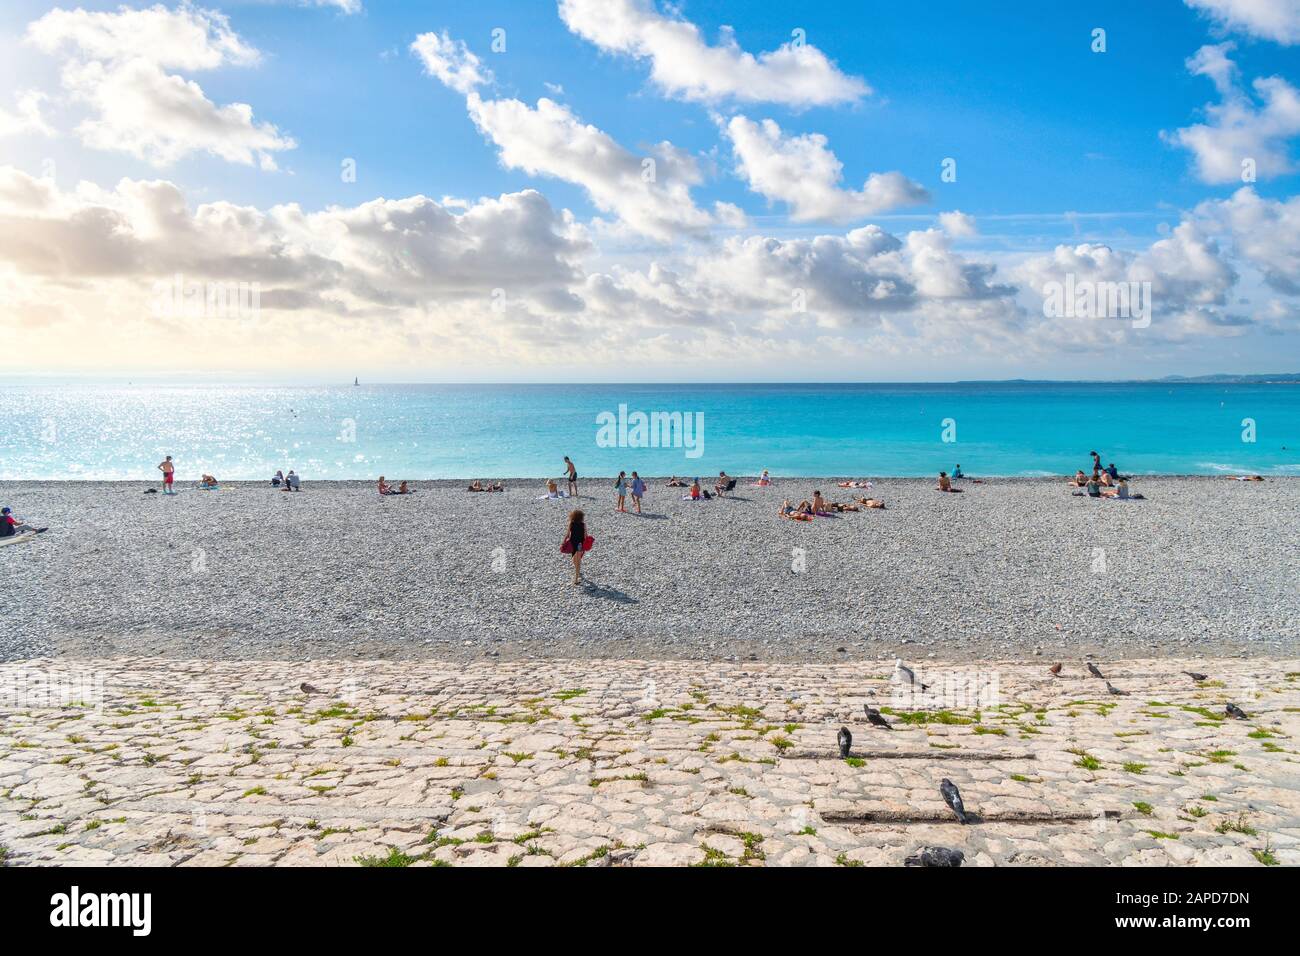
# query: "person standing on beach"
169, 474
620, 489
638, 491
577, 542
573, 477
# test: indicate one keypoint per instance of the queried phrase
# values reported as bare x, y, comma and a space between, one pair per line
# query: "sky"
632, 190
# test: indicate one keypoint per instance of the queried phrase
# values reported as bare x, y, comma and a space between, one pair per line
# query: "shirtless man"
572, 472
169, 474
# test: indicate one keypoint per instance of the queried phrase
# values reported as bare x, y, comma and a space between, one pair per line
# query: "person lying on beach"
1244, 477
791, 513
945, 483
11, 524
856, 484
676, 482
871, 502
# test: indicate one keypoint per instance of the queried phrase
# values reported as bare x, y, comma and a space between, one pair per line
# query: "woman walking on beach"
620, 489
638, 491
577, 542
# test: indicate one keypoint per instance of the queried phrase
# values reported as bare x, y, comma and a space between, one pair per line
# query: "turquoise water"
467, 431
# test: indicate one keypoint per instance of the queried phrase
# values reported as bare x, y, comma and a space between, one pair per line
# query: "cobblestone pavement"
194, 763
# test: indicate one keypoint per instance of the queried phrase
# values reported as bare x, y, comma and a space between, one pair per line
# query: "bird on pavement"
309, 689
1110, 688
1235, 711
1197, 677
935, 856
1094, 670
876, 718
952, 797
1056, 670
845, 740
905, 674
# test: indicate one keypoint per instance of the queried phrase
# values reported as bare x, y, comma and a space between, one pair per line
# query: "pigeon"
845, 740
935, 856
875, 718
1112, 689
309, 689
904, 673
1235, 711
1056, 670
952, 797
1197, 677
1094, 670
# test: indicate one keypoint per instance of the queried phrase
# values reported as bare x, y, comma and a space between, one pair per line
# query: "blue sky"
1055, 145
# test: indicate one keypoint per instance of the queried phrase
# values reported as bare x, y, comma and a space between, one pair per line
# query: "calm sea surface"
486, 431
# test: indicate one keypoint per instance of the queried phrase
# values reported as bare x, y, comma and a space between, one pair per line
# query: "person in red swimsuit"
169, 474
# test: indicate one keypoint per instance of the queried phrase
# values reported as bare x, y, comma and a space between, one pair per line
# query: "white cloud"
1264, 232
958, 224
683, 65
1277, 20
803, 172
451, 62
1239, 129
650, 193
116, 64
344, 6
510, 282
185, 39
27, 118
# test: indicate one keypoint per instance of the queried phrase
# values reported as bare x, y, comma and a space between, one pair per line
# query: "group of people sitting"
819, 507
483, 486
289, 482
1104, 482
386, 489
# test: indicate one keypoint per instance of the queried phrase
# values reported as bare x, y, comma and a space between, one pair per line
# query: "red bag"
587, 543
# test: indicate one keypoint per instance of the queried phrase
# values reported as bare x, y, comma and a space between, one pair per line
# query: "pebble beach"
1010, 568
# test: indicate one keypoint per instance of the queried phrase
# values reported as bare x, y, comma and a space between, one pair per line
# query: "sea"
118, 431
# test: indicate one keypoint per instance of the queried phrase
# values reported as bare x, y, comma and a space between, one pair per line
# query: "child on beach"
169, 474
577, 542
638, 491
11, 525
620, 489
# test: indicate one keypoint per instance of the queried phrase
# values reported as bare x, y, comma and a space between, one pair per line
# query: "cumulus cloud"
683, 65
802, 172
1240, 127
26, 117
649, 193
1276, 20
116, 64
958, 224
450, 62
1264, 232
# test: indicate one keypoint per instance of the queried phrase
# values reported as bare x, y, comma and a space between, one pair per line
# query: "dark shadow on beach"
607, 593
649, 514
